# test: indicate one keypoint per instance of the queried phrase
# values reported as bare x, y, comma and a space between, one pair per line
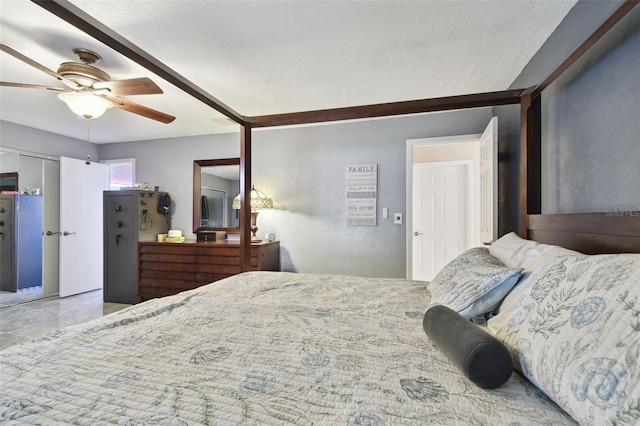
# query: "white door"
81, 263
442, 215
489, 182
51, 227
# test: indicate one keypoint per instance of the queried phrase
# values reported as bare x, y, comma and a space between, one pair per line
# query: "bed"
260, 347
290, 348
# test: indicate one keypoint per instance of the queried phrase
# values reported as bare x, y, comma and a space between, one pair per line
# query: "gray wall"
37, 141
591, 123
168, 163
304, 170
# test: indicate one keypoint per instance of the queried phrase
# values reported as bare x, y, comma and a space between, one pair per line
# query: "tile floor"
10, 298
21, 323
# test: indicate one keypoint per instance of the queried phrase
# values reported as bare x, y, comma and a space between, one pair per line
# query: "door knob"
416, 233
52, 232
65, 233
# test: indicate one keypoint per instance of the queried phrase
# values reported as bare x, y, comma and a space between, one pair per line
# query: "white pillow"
473, 283
517, 252
575, 333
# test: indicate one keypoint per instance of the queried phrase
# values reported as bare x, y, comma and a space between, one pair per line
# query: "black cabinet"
129, 217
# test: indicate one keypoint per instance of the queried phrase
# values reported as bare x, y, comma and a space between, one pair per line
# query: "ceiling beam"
86, 23
76, 17
477, 100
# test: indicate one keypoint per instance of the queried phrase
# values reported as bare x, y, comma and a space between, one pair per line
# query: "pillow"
473, 283
517, 252
482, 358
575, 333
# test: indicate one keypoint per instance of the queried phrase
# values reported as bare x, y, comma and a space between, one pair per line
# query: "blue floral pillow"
473, 283
575, 333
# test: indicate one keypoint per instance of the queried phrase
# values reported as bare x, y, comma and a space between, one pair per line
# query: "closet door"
51, 227
7, 273
81, 262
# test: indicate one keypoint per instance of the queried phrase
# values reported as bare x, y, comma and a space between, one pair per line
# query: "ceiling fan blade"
133, 86
32, 86
140, 110
38, 66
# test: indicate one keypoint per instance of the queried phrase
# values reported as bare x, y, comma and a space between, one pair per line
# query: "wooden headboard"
590, 233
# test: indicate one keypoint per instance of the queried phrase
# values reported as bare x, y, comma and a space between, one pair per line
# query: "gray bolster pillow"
477, 354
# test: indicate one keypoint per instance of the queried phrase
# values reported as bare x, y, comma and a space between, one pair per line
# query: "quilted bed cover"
259, 348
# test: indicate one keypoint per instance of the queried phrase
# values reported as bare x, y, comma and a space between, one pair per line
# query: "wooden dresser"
169, 268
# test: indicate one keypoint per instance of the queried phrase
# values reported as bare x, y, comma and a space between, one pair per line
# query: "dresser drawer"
148, 293
167, 249
167, 268
157, 265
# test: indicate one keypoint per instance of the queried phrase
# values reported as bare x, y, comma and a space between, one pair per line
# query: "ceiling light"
84, 104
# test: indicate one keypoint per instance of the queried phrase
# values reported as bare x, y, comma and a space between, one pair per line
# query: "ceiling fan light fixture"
86, 105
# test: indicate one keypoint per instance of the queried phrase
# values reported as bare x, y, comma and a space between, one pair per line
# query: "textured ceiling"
268, 57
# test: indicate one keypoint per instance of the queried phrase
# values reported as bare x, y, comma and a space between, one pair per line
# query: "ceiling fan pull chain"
88, 162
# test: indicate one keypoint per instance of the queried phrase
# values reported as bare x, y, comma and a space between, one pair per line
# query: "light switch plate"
397, 218
385, 212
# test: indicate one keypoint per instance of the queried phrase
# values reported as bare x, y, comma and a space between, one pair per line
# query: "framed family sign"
362, 191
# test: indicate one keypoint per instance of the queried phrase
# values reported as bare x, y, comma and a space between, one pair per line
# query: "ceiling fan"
90, 91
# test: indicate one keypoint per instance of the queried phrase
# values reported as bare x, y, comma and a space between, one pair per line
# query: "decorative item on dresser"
259, 201
165, 269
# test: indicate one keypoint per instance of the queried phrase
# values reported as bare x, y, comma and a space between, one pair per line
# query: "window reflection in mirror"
215, 184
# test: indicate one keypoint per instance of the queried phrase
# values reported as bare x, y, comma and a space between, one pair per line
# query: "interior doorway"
425, 259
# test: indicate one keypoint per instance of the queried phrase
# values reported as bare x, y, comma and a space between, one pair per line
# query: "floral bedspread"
259, 348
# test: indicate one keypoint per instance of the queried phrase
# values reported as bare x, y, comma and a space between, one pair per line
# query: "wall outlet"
397, 218
385, 212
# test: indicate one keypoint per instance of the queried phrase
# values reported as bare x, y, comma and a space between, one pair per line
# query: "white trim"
29, 154
411, 143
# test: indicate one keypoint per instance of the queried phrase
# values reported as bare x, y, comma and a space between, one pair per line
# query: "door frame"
411, 143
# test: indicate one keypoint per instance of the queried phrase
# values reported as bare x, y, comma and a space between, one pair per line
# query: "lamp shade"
259, 200
84, 104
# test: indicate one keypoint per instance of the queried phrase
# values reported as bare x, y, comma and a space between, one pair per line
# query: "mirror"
20, 170
9, 181
215, 185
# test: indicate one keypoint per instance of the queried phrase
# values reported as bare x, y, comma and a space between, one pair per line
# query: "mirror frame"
197, 192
